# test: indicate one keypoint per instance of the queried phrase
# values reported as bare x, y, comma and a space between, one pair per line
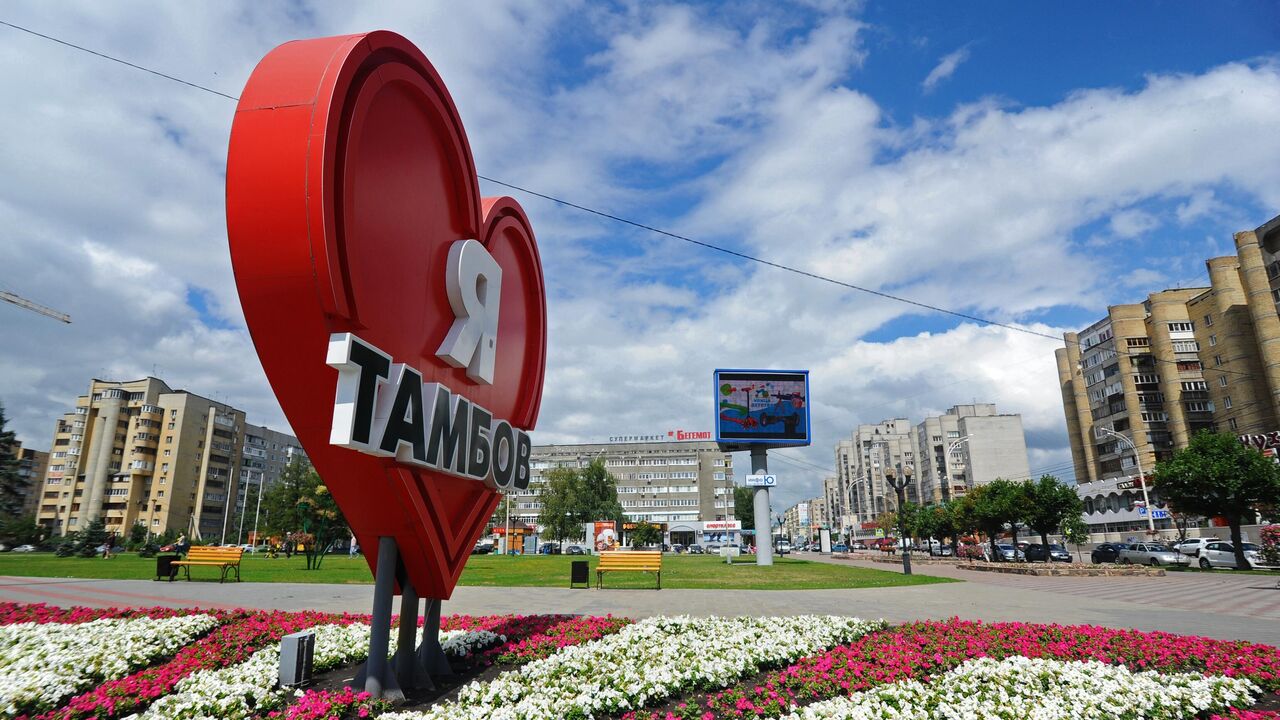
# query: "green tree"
963, 520
995, 505
1049, 503
1217, 475
20, 531
646, 534
744, 506
1075, 531
88, 540
910, 523
300, 503
13, 487
562, 513
137, 536
600, 493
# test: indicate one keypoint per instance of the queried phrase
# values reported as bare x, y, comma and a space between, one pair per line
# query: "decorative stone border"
1064, 570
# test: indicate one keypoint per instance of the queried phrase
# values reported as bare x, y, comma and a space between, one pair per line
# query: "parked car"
1035, 552
697, 550
1151, 554
1107, 552
550, 548
482, 549
840, 547
25, 548
784, 547
1009, 552
1223, 554
575, 550
1193, 546
859, 545
677, 548
940, 549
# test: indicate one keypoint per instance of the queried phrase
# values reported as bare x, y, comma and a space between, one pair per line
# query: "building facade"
946, 456
32, 465
265, 455
968, 446
679, 486
1159, 371
141, 452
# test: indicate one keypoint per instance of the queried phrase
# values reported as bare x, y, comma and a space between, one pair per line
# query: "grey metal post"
760, 500
430, 654
378, 682
409, 671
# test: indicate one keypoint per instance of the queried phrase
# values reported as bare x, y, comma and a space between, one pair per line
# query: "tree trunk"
995, 551
1013, 533
1237, 542
1044, 540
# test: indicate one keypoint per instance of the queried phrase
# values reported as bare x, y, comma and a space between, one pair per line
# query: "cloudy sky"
1017, 161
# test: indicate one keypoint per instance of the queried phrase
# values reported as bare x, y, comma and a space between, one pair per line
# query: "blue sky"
1027, 162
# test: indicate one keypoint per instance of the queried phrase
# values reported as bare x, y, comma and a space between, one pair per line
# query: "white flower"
1037, 689
42, 664
644, 662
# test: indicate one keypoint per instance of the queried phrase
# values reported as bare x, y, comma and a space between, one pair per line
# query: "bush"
1271, 545
65, 549
149, 550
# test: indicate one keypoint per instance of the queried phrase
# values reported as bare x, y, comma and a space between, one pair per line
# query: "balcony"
141, 466
152, 410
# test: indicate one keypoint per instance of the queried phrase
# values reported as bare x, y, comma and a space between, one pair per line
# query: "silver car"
1152, 554
1223, 555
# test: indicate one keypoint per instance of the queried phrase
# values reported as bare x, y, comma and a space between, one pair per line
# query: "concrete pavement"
1229, 607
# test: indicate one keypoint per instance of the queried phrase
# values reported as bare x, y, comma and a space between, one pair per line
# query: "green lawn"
679, 571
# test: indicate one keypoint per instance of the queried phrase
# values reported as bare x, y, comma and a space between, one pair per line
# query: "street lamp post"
1142, 478
944, 476
900, 481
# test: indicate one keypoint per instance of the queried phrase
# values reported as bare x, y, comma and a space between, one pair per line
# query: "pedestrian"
288, 545
355, 547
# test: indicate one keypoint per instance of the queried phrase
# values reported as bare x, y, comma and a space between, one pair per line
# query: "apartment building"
863, 466
947, 456
1159, 371
32, 465
968, 446
265, 455
141, 452
679, 486
797, 521
833, 503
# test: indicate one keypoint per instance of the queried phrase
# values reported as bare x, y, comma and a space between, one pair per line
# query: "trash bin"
165, 569
578, 573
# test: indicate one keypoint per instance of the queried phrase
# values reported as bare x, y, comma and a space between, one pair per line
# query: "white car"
25, 548
1222, 554
1193, 546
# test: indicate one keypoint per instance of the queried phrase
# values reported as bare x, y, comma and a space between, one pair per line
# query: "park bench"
224, 558
630, 561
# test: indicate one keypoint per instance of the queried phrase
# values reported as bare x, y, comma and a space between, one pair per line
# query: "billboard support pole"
760, 500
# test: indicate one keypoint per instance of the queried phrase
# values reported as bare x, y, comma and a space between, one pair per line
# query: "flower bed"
1020, 687
42, 663
664, 668
13, 613
919, 651
644, 662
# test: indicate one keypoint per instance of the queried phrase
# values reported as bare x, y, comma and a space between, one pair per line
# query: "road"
1218, 605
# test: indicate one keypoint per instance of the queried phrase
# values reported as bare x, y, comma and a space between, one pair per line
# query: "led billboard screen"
762, 407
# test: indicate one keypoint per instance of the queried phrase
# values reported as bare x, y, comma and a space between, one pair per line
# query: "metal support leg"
376, 675
430, 654
410, 671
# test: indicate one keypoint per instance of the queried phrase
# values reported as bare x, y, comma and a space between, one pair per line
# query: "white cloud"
112, 204
945, 68
1132, 223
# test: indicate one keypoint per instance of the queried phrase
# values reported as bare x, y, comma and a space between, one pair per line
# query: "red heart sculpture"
349, 177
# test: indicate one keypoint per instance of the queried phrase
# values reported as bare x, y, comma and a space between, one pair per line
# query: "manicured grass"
1233, 571
679, 571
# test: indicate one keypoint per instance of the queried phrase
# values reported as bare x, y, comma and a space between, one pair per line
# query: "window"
1188, 365
953, 434
167, 452
1213, 340
171, 425
1193, 385
1217, 360
1222, 381
1200, 407
1138, 342
173, 413
1181, 327
1186, 346
1231, 422
155, 522
1226, 402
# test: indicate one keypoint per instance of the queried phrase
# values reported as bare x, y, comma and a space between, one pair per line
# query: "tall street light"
900, 481
946, 481
1142, 478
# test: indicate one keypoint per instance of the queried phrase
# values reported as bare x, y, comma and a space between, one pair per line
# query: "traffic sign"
762, 480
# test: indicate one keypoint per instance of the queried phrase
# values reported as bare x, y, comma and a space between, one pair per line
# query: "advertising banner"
767, 408
604, 536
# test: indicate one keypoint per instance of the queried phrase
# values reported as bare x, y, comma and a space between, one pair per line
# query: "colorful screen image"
762, 406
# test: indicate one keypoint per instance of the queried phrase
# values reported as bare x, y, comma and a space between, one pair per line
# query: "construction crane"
22, 302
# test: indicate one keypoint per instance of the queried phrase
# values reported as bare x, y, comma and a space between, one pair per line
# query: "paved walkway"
1223, 606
